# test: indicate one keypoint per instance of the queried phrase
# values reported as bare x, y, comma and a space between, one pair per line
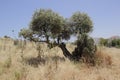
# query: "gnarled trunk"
85, 47
66, 53
47, 39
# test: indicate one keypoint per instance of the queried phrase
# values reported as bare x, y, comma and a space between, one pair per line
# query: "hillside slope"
22, 63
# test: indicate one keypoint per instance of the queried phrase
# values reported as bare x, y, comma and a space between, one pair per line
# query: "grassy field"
19, 62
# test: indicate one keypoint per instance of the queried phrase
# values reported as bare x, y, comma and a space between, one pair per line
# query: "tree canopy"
47, 24
81, 23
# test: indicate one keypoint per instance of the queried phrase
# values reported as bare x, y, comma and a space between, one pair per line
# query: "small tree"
48, 26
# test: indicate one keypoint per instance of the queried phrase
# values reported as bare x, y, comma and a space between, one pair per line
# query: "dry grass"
103, 58
18, 65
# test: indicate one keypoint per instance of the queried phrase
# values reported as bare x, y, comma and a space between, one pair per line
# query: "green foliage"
110, 43
26, 33
103, 42
81, 23
47, 23
115, 43
85, 48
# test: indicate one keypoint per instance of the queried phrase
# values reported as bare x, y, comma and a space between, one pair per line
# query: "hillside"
19, 62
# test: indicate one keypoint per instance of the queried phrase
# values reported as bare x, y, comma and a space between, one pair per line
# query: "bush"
85, 48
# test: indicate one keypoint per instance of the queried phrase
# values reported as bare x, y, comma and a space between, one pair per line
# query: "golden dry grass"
53, 65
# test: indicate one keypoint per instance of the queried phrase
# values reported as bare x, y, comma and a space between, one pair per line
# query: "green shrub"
85, 48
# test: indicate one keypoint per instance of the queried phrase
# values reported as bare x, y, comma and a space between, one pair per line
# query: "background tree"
110, 42
103, 42
115, 43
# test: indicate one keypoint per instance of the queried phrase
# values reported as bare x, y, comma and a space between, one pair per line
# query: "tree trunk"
47, 39
66, 53
58, 40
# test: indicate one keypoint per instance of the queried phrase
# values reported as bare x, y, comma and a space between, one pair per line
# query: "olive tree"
48, 26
